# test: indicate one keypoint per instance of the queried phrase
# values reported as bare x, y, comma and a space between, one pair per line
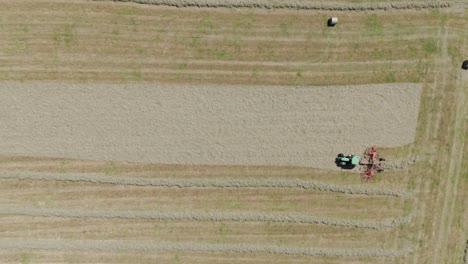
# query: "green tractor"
345, 161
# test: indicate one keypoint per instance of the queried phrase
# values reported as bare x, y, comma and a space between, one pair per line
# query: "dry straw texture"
88, 245
206, 125
213, 216
293, 4
202, 183
399, 164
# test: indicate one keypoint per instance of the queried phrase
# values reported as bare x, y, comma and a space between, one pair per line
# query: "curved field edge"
211, 216
268, 4
93, 245
203, 183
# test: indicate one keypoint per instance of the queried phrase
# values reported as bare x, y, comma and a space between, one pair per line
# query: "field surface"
234, 96
217, 125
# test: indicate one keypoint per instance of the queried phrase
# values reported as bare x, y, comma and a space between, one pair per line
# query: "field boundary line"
100, 245
210, 216
202, 183
278, 4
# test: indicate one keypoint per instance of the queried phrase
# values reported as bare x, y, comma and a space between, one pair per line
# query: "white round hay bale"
332, 21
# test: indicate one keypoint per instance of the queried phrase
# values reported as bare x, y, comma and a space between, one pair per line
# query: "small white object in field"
332, 21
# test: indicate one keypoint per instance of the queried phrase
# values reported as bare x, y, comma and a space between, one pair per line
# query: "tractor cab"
345, 161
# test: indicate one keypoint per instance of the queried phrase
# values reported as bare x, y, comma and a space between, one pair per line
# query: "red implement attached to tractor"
371, 162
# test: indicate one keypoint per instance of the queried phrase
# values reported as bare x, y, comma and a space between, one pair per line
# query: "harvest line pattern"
93, 245
200, 216
202, 183
270, 4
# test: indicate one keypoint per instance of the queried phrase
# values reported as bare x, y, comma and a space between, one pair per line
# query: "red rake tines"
369, 173
370, 162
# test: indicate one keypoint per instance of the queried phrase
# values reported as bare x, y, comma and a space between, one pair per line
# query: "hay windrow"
118, 246
202, 183
212, 216
293, 4
398, 164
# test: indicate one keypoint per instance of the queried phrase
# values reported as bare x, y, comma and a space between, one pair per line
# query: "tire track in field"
273, 4
202, 183
119, 246
201, 216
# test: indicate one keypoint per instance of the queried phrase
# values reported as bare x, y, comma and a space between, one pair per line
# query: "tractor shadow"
345, 167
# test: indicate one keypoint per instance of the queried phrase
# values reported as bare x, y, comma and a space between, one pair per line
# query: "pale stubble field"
233, 210
200, 125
